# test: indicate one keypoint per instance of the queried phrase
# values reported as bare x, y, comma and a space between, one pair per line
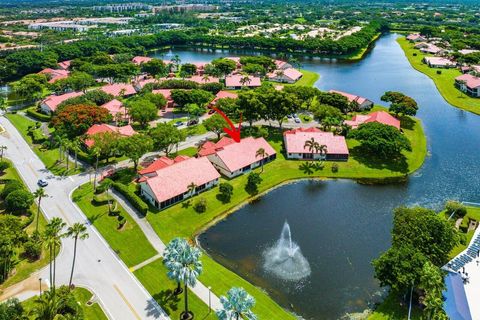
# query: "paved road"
98, 268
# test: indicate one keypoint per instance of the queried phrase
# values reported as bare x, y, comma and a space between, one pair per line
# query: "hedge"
32, 112
131, 197
37, 136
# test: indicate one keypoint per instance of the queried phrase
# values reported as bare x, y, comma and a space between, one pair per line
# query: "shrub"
253, 181
200, 205
19, 200
37, 136
414, 54
335, 167
4, 165
131, 197
455, 206
226, 191
33, 249
10, 186
32, 112
439, 71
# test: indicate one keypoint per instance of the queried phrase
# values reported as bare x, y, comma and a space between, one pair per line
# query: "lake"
339, 225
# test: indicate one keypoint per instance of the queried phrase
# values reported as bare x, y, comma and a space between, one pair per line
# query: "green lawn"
92, 312
154, 277
444, 81
309, 78
473, 213
125, 242
24, 267
390, 309
49, 157
182, 220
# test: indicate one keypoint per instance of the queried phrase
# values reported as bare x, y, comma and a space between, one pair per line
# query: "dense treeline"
21, 63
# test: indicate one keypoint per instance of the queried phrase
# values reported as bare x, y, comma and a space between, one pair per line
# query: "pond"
340, 226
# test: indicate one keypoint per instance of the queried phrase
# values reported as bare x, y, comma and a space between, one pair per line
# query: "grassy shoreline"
444, 81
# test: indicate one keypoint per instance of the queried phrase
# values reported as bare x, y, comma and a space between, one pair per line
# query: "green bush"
121, 221
37, 136
131, 197
335, 167
4, 165
464, 225
200, 205
19, 200
225, 192
10, 186
455, 206
439, 71
100, 199
33, 249
32, 112
85, 157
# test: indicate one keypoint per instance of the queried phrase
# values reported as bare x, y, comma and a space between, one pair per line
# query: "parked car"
42, 183
297, 120
289, 116
192, 122
178, 124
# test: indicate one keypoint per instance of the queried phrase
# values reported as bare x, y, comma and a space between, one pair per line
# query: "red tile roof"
158, 164
238, 155
174, 179
201, 80
234, 81
279, 64
53, 101
115, 107
470, 80
439, 61
224, 94
210, 147
378, 116
125, 131
65, 64
55, 74
140, 59
116, 88
295, 140
167, 93
350, 97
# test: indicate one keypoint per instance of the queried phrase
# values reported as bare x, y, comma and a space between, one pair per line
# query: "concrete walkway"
200, 289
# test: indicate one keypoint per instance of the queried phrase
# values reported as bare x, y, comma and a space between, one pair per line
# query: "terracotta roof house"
202, 80
431, 49
295, 144
117, 89
234, 82
138, 85
233, 159
469, 84
170, 184
138, 60
160, 163
236, 60
51, 103
363, 103
125, 131
282, 65
65, 65
439, 62
415, 37
222, 95
377, 116
116, 108
55, 74
200, 67
167, 94
289, 75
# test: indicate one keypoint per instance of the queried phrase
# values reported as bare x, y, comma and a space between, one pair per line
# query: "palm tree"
75, 145
39, 194
205, 78
170, 254
77, 231
261, 153
66, 149
96, 152
184, 266
191, 188
176, 60
311, 145
2, 150
322, 149
236, 305
245, 80
52, 241
279, 73
47, 305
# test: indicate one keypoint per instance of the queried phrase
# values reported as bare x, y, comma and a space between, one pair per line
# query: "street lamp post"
209, 299
40, 282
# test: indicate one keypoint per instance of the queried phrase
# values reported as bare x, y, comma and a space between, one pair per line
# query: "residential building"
50, 104
203, 79
125, 131
239, 81
222, 95
167, 94
119, 89
439, 62
55, 74
289, 75
415, 37
117, 110
65, 65
120, 7
363, 103
431, 49
377, 116
173, 180
235, 158
295, 144
469, 84
59, 26
282, 65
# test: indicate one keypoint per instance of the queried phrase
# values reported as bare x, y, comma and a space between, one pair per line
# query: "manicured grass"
473, 213
191, 151
129, 243
93, 312
49, 157
391, 309
182, 220
24, 267
445, 81
154, 277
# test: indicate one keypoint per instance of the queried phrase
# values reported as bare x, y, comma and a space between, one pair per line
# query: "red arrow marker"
233, 132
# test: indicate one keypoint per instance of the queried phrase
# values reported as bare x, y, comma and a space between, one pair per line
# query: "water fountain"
284, 259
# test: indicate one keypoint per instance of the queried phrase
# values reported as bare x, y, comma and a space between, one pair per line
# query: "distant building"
166, 181
239, 81
138, 60
59, 26
123, 7
55, 74
289, 75
185, 8
378, 116
295, 139
469, 84
119, 89
363, 103
439, 62
415, 37
50, 104
282, 65
233, 159
222, 95
116, 109
125, 131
